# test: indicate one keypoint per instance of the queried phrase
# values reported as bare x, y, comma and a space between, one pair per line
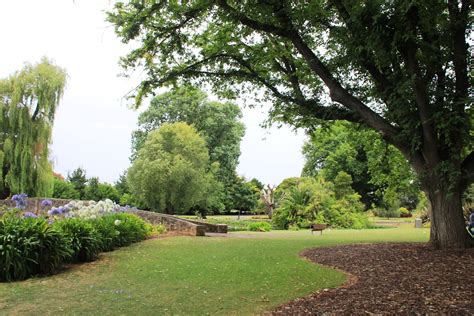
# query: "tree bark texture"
447, 220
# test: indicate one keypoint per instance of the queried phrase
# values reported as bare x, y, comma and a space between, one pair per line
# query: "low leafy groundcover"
260, 227
32, 244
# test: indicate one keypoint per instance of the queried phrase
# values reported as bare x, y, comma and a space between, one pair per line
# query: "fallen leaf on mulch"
399, 278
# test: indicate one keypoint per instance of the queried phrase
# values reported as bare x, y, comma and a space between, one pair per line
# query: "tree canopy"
78, 186
243, 195
376, 168
398, 67
28, 102
218, 123
64, 190
171, 172
96, 191
78, 179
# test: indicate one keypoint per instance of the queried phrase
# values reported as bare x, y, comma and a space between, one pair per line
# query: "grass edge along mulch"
390, 278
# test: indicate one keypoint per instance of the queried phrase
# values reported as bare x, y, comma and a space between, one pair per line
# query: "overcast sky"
93, 123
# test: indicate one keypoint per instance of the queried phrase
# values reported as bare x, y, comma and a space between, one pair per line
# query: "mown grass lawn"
200, 275
233, 224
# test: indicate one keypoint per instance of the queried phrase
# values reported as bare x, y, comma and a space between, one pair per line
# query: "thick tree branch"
383, 84
408, 51
290, 68
458, 20
458, 24
440, 87
333, 113
36, 113
337, 92
311, 106
341, 95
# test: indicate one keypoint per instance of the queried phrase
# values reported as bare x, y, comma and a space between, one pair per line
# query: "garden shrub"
76, 232
304, 201
388, 212
10, 212
293, 227
305, 223
84, 238
129, 228
30, 246
3, 210
280, 219
159, 229
404, 212
107, 232
338, 216
259, 227
360, 221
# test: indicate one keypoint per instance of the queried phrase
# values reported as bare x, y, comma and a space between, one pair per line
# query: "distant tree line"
77, 186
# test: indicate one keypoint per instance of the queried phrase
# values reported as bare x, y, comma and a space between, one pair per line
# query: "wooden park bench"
318, 228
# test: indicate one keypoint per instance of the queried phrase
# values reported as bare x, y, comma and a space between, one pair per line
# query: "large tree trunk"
447, 221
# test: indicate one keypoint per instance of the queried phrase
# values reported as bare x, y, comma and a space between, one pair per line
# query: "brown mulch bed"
392, 279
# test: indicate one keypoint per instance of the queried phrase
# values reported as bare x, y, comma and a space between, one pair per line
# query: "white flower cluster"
92, 209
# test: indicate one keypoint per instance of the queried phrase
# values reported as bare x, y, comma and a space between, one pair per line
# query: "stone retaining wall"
34, 204
172, 223
211, 228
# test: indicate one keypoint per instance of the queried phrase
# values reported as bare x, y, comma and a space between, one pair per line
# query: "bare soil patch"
402, 278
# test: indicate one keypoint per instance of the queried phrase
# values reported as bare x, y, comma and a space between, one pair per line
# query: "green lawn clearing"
393, 219
233, 224
245, 274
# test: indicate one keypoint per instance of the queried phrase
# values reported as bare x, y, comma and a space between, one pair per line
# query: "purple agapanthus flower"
55, 211
127, 208
46, 203
29, 215
20, 200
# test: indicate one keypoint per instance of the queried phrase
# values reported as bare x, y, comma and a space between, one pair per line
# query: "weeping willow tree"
28, 102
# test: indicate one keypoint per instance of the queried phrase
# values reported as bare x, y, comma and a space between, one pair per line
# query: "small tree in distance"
171, 172
268, 198
78, 179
